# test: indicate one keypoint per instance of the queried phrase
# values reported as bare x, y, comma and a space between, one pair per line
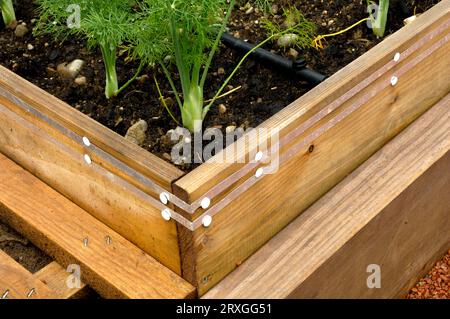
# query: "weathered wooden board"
109, 263
18, 283
393, 211
59, 162
56, 277
208, 254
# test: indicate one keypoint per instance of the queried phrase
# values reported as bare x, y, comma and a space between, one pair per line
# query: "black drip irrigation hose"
296, 68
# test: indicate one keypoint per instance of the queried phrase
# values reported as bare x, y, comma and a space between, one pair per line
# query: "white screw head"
394, 80
206, 221
165, 213
259, 156
86, 141
259, 172
87, 159
397, 57
164, 198
205, 203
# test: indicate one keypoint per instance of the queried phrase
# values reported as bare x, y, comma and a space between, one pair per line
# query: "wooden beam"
109, 263
55, 277
393, 211
18, 283
264, 209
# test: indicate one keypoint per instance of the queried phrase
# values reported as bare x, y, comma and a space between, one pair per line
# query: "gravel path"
436, 284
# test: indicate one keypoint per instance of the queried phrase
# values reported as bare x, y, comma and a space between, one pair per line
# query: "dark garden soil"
264, 92
21, 250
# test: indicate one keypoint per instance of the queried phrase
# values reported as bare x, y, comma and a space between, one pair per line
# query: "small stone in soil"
275, 9
143, 78
287, 40
81, 80
221, 71
21, 30
72, 69
230, 129
136, 133
30, 47
293, 53
222, 109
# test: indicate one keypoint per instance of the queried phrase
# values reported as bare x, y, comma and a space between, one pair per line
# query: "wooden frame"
393, 211
108, 263
121, 184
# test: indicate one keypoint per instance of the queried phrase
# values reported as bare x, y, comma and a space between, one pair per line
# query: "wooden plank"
197, 182
109, 263
209, 254
18, 283
393, 211
55, 277
58, 162
131, 154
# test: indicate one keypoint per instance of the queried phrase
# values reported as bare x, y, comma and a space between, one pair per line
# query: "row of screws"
29, 294
207, 220
108, 240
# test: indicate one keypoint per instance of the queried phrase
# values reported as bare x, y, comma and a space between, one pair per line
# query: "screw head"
87, 159
259, 156
166, 215
394, 80
164, 198
205, 203
86, 141
397, 57
259, 172
206, 221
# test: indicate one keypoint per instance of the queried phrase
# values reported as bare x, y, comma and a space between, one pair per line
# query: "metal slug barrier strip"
233, 178
92, 149
247, 168
314, 135
95, 167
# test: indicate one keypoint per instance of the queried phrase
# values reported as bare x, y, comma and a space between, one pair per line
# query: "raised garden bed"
324, 135
392, 212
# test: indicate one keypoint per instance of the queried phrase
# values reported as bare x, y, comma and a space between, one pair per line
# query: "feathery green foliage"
264, 5
8, 13
104, 24
189, 31
378, 22
294, 20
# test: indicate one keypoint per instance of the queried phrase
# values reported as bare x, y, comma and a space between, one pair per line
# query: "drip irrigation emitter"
293, 68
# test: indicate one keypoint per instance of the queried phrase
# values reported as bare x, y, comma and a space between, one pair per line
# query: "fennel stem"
8, 13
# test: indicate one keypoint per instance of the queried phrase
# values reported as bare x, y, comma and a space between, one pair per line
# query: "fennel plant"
8, 13
190, 32
187, 32
104, 24
378, 21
